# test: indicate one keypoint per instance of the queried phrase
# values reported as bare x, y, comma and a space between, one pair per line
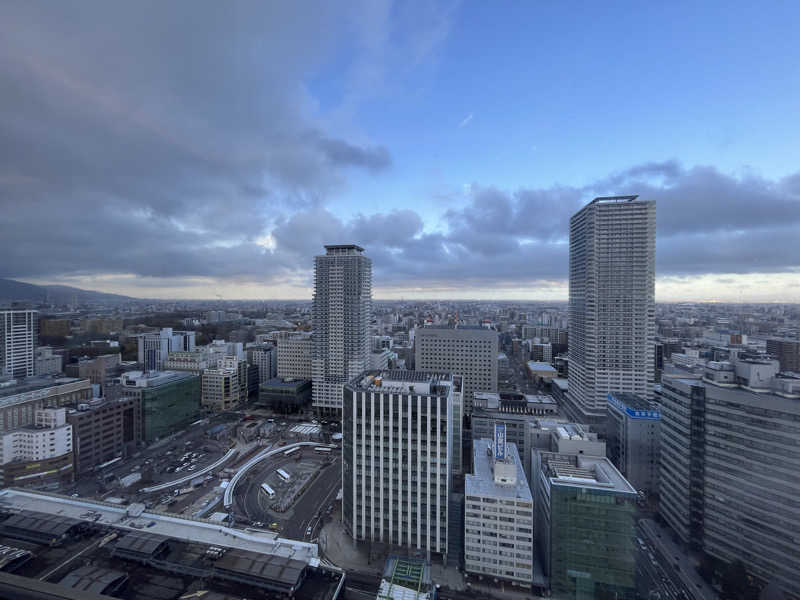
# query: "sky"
206, 149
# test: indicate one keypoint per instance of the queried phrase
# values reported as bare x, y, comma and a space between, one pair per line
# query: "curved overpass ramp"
228, 498
175, 483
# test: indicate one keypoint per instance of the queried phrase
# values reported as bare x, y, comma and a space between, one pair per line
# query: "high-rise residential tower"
341, 315
612, 249
19, 334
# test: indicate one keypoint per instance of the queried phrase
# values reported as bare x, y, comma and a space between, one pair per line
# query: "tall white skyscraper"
19, 334
341, 316
612, 250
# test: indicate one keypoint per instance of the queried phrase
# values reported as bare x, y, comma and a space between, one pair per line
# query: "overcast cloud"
170, 140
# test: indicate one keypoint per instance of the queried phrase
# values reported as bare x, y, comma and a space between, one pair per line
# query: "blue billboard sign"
500, 441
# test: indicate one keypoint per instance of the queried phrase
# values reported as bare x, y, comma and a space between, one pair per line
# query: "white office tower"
341, 316
19, 334
154, 348
498, 517
612, 250
396, 455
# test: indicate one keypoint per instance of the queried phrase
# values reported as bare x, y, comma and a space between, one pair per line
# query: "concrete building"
294, 356
396, 458
787, 351
38, 455
469, 351
194, 362
341, 314
19, 400
47, 363
728, 479
633, 433
498, 517
100, 370
154, 348
136, 553
19, 336
611, 304
103, 430
285, 395
585, 524
168, 400
265, 358
514, 410
221, 389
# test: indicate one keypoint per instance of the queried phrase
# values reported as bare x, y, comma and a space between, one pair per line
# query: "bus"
268, 490
291, 451
322, 450
284, 475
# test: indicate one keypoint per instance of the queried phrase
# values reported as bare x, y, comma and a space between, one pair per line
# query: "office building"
221, 389
466, 350
168, 400
100, 370
514, 410
341, 314
611, 304
154, 348
38, 455
633, 438
285, 395
396, 458
294, 355
498, 518
728, 479
19, 400
19, 336
585, 520
787, 351
265, 358
103, 430
193, 362
135, 553
46, 362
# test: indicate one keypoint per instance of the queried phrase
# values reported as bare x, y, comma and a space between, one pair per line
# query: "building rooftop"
419, 382
613, 199
633, 405
541, 366
11, 388
482, 482
584, 471
153, 378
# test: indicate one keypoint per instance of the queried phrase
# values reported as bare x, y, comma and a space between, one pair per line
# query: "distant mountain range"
17, 291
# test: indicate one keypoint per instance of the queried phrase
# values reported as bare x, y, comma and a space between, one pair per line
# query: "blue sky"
224, 145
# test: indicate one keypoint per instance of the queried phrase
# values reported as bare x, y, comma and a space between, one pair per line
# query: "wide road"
314, 502
305, 512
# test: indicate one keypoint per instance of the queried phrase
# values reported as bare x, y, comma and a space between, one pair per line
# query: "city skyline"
452, 141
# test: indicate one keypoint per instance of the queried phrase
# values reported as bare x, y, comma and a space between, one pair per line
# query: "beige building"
221, 385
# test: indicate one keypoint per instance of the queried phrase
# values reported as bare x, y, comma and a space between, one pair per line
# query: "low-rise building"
585, 527
103, 430
38, 455
48, 363
633, 439
100, 370
498, 518
285, 395
168, 400
516, 411
221, 390
19, 400
294, 355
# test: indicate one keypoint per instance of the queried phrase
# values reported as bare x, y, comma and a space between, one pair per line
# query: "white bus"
322, 450
283, 475
268, 490
291, 451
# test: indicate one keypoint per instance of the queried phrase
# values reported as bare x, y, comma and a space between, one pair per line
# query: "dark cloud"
180, 140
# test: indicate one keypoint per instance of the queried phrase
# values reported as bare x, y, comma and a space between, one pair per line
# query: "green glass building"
169, 400
585, 527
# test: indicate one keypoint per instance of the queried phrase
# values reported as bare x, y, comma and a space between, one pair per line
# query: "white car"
308, 531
